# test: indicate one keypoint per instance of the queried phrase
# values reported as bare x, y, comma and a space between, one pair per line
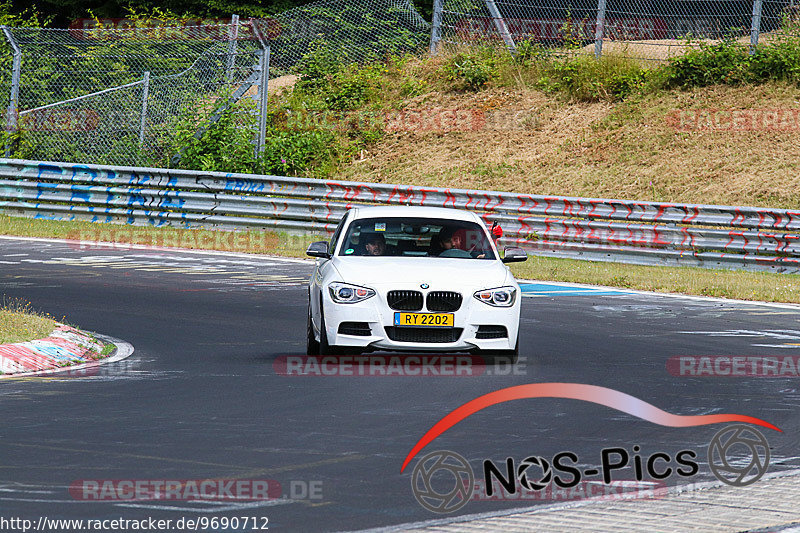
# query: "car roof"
414, 211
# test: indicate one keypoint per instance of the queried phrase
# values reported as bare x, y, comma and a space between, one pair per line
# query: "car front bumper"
377, 314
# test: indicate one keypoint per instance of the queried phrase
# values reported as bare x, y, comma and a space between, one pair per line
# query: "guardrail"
585, 228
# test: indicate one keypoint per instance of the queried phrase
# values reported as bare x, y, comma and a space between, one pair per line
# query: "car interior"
418, 237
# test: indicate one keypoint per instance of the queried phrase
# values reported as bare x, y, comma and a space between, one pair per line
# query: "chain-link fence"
354, 30
126, 95
131, 93
641, 29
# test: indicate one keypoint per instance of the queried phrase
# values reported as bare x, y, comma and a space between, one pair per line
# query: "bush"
588, 79
351, 88
779, 60
317, 66
729, 63
726, 62
298, 152
471, 70
225, 146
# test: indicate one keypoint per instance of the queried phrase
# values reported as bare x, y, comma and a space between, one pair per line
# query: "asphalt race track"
200, 397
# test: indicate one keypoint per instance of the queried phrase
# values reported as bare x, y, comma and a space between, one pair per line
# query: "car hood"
410, 272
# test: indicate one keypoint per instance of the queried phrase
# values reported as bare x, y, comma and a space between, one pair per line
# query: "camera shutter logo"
522, 473
458, 482
738, 455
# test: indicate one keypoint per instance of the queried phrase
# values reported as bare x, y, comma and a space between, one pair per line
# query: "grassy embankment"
543, 124
20, 323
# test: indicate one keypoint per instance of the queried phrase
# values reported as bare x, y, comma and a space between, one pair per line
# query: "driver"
452, 242
450, 238
375, 244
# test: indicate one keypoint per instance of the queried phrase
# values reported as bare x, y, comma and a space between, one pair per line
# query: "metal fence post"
755, 28
600, 28
145, 94
500, 24
263, 87
13, 104
436, 27
233, 34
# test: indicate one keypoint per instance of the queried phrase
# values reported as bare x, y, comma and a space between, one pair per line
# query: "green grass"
20, 323
734, 284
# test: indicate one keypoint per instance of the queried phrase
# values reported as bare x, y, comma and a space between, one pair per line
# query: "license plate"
427, 320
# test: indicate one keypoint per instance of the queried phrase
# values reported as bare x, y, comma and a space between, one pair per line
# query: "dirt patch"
663, 49
276, 85
656, 49
284, 82
533, 143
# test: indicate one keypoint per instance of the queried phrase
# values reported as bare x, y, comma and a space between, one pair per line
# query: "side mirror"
318, 249
512, 254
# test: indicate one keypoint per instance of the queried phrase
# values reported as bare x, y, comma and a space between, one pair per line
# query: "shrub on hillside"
471, 69
779, 60
726, 62
587, 79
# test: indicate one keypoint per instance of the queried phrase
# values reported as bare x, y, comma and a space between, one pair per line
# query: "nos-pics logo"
443, 481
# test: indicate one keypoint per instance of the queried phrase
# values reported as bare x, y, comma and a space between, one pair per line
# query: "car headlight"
499, 297
345, 293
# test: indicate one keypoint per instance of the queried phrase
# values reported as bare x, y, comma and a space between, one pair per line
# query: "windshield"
417, 237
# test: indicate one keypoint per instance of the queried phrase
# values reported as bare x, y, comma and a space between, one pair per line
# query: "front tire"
312, 345
324, 347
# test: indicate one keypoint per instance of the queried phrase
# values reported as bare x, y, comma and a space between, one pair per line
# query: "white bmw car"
412, 279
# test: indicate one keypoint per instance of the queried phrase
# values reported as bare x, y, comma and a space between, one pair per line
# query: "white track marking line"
118, 246
309, 261
230, 507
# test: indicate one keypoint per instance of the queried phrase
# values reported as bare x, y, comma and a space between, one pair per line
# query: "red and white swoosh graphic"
576, 391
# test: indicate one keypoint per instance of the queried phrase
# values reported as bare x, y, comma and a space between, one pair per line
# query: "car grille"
491, 332
444, 301
404, 300
360, 329
410, 334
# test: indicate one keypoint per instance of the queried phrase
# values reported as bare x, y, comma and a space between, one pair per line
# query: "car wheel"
312, 345
324, 347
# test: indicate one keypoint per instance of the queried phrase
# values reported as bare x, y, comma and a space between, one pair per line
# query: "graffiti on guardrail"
598, 229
